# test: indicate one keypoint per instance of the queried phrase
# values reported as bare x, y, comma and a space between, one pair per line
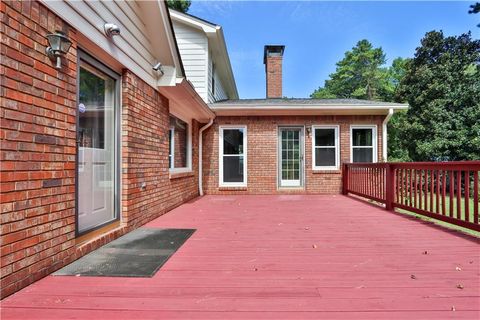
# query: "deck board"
280, 257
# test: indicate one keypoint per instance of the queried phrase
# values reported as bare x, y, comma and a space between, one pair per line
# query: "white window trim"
188, 168
171, 151
220, 156
337, 147
374, 141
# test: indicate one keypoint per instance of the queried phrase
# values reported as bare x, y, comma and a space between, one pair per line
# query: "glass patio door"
290, 157
96, 140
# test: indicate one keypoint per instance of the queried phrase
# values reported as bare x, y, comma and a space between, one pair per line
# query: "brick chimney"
272, 58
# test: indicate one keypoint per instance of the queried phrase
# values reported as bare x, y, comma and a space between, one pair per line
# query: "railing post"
345, 179
389, 187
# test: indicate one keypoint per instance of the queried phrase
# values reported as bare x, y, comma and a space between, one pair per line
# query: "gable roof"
299, 106
217, 46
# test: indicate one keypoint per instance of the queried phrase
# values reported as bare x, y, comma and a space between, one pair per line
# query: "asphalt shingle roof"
304, 101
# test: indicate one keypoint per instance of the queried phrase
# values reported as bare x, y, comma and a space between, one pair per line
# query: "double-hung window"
179, 156
325, 145
233, 156
363, 145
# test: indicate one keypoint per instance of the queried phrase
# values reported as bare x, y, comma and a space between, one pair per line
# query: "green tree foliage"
475, 8
442, 87
397, 150
179, 5
361, 74
358, 75
396, 145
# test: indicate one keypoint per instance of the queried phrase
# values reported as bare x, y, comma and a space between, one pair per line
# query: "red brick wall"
37, 147
273, 68
145, 155
262, 137
38, 133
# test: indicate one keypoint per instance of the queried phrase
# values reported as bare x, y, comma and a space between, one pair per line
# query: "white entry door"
290, 157
96, 138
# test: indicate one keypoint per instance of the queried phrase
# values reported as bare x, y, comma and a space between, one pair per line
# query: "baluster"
475, 197
437, 200
467, 195
452, 193
459, 195
444, 190
425, 182
431, 190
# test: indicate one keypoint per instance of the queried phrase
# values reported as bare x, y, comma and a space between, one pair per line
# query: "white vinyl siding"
133, 47
218, 93
193, 47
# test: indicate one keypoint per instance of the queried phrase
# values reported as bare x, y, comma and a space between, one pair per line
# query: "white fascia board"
306, 107
191, 21
171, 37
226, 67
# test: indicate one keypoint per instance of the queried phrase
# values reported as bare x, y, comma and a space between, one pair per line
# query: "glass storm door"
290, 157
96, 139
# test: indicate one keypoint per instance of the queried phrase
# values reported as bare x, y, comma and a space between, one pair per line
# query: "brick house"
140, 115
278, 145
86, 150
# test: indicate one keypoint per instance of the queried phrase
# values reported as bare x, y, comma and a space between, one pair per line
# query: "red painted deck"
280, 257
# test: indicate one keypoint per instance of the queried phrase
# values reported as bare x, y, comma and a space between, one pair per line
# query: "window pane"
362, 137
95, 108
233, 141
325, 137
362, 154
170, 148
233, 169
180, 133
325, 157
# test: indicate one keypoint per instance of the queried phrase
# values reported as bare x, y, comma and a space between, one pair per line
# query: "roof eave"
226, 70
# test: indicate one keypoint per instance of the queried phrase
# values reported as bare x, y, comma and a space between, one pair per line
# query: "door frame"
302, 155
87, 58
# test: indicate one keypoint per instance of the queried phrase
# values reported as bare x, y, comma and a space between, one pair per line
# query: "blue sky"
317, 34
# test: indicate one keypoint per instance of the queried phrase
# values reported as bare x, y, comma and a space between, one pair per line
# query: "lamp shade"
59, 42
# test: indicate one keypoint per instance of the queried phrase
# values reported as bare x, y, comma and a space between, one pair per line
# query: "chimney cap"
272, 51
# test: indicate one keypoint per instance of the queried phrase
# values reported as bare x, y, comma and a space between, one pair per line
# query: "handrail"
446, 191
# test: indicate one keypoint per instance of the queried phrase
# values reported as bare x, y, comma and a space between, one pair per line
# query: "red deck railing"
446, 191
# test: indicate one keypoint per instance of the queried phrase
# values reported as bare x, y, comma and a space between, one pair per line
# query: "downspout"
384, 134
200, 155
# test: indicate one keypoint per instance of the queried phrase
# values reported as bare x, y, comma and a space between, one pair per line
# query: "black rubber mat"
139, 253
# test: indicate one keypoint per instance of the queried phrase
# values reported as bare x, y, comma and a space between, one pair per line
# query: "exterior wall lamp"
59, 44
309, 130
